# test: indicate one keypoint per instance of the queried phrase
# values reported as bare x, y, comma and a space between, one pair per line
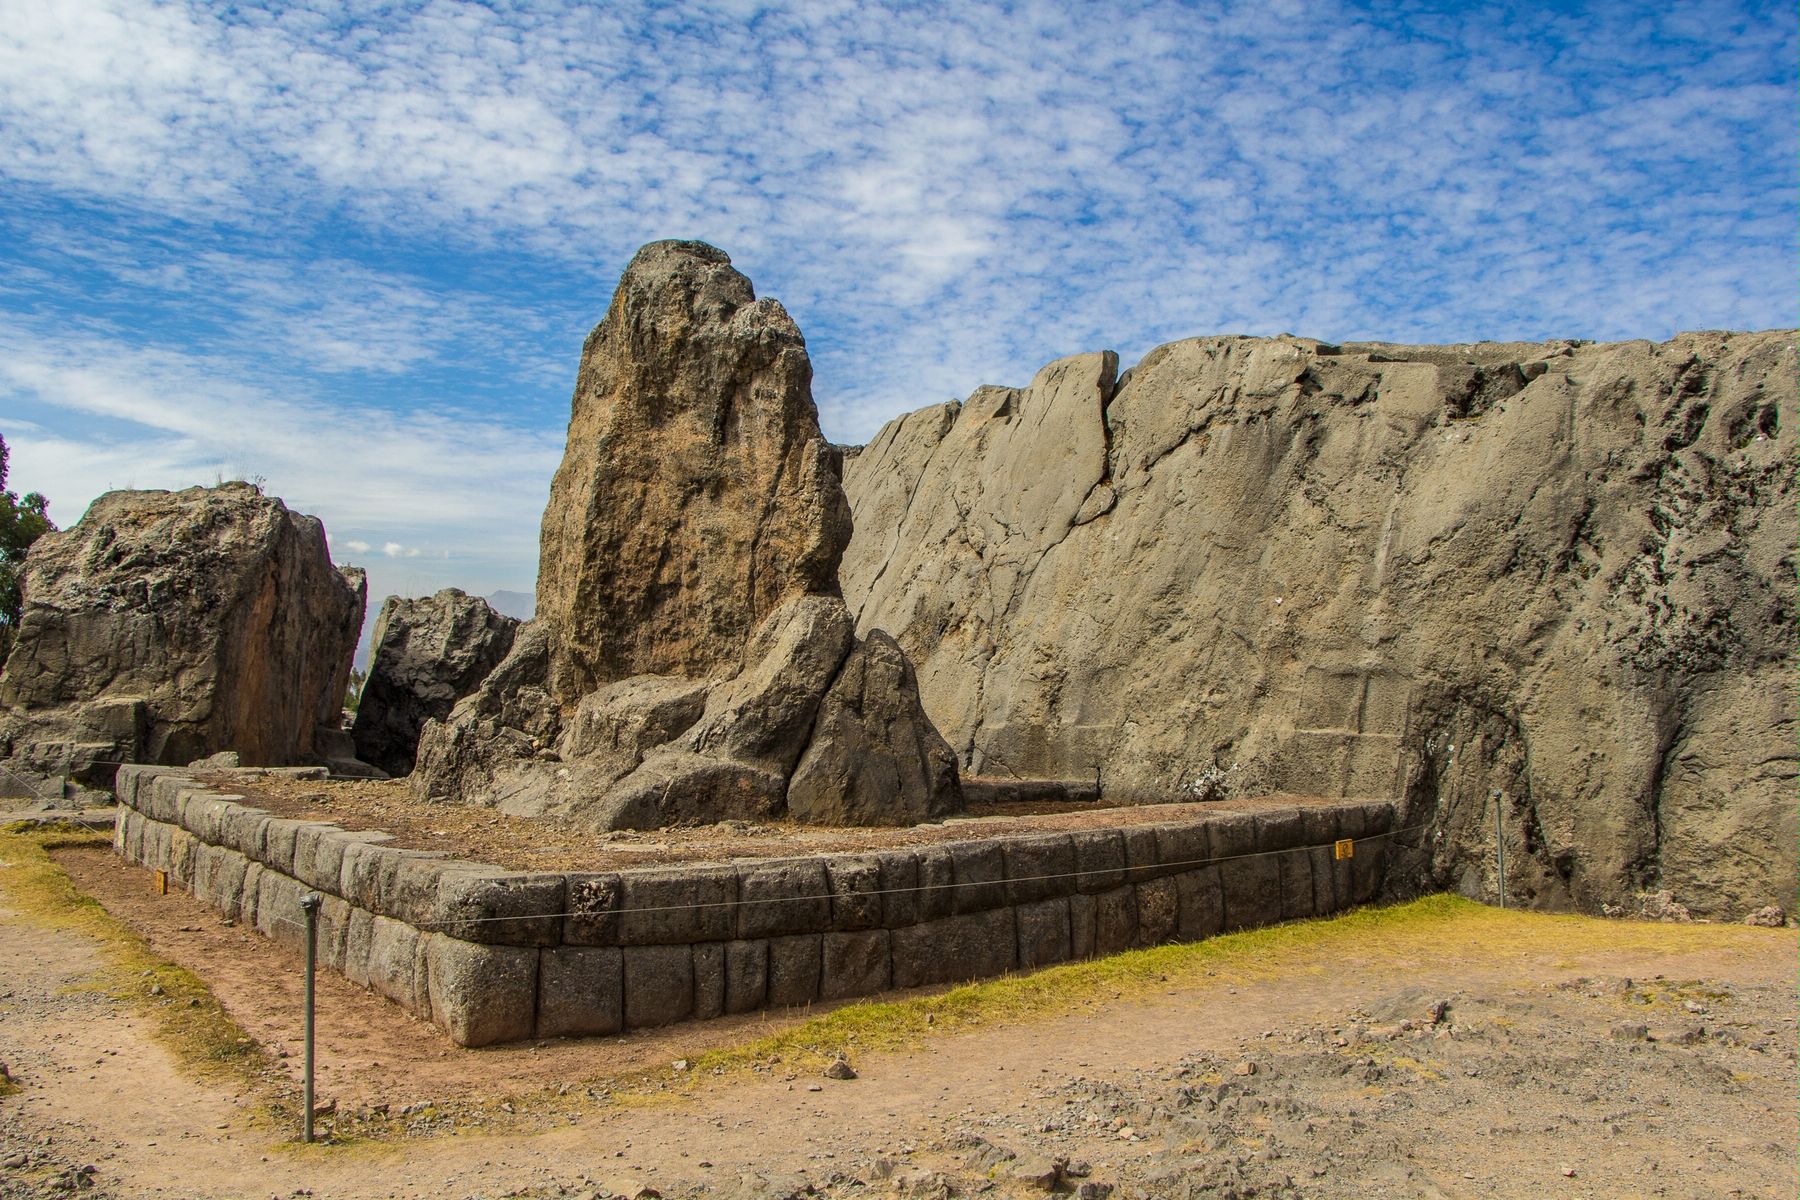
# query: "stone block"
1115, 920
1043, 933
311, 836
359, 932
746, 975
181, 856
937, 884
413, 897
955, 949
659, 985
121, 824
359, 876
279, 838
1182, 846
677, 905
1280, 829
203, 815
901, 899
854, 964
244, 829
1200, 904
581, 991
1081, 923
1252, 887
1343, 870
505, 908
1231, 835
481, 994
1038, 868
794, 966
1099, 860
1296, 884
279, 916
334, 931
709, 980
162, 799
253, 874
979, 869
783, 898
1142, 859
855, 893
593, 901
1371, 852
1158, 908
391, 970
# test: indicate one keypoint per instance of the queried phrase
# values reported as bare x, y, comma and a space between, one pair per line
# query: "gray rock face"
696, 493
1561, 572
168, 626
428, 654
874, 757
691, 630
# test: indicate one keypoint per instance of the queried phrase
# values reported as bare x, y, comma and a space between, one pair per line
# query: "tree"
22, 522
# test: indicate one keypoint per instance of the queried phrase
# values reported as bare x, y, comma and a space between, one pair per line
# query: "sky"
350, 250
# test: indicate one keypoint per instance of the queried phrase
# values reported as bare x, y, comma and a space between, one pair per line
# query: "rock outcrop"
165, 627
1558, 573
696, 494
692, 656
427, 653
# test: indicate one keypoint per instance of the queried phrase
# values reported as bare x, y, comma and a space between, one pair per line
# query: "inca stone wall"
493, 956
1560, 572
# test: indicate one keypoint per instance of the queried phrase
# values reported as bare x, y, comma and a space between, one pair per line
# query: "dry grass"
187, 1017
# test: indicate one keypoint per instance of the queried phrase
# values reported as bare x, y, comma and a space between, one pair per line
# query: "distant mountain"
522, 605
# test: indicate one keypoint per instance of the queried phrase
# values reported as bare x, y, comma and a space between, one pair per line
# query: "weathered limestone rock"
874, 758
690, 626
168, 626
1562, 572
696, 493
428, 653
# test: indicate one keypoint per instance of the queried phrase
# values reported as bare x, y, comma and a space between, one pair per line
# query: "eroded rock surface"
168, 626
696, 494
428, 653
690, 628
1562, 572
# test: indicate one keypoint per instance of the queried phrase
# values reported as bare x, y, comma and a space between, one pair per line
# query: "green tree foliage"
22, 522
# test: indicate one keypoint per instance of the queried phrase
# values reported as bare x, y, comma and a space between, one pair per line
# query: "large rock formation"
427, 653
168, 626
690, 631
1559, 572
696, 494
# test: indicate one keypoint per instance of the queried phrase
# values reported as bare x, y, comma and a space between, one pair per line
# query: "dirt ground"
1553, 1061
548, 844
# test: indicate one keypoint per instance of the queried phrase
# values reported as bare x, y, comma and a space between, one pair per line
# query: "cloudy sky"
351, 248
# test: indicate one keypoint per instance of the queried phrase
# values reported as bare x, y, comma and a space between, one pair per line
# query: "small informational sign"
1344, 848
162, 883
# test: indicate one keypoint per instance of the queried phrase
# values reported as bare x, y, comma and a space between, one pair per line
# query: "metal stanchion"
1500, 842
309, 903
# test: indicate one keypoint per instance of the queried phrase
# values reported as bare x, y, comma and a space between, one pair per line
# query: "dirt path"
1536, 1080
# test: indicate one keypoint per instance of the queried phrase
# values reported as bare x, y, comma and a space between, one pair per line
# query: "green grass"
1426, 929
187, 1018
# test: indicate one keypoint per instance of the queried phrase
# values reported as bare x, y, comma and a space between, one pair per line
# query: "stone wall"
492, 955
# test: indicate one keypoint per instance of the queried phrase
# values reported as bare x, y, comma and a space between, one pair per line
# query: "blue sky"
352, 248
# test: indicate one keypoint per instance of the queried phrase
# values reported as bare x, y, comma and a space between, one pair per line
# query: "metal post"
1500, 842
310, 903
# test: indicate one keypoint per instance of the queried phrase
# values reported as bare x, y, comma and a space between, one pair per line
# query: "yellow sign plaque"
1344, 848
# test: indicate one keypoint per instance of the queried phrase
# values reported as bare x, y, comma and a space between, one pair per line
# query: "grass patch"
1430, 928
188, 1019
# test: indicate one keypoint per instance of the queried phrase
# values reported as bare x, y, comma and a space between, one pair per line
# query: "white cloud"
334, 236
